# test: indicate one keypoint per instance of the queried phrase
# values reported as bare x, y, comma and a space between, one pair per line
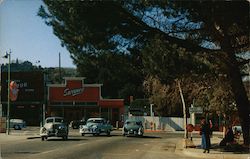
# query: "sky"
28, 37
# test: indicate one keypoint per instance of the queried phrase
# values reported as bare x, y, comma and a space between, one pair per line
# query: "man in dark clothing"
205, 136
229, 137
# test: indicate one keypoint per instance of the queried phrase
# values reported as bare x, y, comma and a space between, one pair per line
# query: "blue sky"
28, 37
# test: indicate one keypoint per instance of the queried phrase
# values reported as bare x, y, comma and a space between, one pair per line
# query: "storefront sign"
73, 92
30, 86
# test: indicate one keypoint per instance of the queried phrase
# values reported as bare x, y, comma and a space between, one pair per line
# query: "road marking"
114, 154
81, 144
48, 151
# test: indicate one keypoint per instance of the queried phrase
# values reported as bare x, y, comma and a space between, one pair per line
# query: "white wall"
162, 123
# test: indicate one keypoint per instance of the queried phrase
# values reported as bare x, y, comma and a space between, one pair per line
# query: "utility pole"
60, 73
8, 55
1, 107
184, 110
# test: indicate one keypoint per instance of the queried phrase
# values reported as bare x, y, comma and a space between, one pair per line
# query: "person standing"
205, 136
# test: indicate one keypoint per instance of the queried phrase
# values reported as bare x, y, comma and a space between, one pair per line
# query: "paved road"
151, 146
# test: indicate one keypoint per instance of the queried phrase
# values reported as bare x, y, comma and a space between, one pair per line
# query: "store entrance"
71, 114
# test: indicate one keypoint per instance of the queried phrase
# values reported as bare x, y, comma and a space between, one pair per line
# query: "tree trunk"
238, 89
241, 99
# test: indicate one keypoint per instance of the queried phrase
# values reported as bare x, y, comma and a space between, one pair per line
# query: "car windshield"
58, 120
134, 123
49, 121
95, 121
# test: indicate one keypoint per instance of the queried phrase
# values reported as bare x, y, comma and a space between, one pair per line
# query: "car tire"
83, 134
42, 138
17, 127
65, 137
108, 132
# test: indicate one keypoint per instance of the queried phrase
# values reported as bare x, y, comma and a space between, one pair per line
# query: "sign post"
196, 110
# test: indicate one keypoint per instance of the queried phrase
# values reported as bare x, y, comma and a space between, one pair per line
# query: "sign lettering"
73, 92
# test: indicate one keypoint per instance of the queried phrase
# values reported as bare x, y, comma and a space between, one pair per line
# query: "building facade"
30, 97
75, 100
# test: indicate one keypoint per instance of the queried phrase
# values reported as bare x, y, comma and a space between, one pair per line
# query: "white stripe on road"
114, 154
81, 144
48, 151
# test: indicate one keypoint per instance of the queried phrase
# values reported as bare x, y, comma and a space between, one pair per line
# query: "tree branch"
153, 31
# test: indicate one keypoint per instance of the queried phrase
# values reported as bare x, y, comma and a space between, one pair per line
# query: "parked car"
96, 126
17, 124
75, 124
54, 126
133, 127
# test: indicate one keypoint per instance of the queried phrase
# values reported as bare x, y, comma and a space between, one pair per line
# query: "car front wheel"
17, 127
43, 138
108, 132
65, 137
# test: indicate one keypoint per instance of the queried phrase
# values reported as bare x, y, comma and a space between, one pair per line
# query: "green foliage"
121, 43
53, 74
117, 72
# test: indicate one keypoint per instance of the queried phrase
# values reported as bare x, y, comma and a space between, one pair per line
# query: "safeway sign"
196, 110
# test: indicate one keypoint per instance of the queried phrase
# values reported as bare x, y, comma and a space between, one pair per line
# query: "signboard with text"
30, 86
196, 110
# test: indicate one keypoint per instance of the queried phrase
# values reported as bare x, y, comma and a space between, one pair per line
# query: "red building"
75, 100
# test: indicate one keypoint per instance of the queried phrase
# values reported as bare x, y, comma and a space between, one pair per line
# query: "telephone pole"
60, 73
184, 110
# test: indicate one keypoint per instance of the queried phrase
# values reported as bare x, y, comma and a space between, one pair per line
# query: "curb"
212, 155
197, 152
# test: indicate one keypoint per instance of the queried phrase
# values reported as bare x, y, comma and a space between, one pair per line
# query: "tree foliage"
197, 40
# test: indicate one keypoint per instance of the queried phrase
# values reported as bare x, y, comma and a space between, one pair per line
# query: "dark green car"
133, 127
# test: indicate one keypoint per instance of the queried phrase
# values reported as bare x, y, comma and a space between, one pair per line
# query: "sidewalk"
25, 133
193, 149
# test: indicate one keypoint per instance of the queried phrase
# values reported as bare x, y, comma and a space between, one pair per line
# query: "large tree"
205, 28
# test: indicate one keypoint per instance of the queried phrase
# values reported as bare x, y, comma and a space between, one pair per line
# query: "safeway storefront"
75, 100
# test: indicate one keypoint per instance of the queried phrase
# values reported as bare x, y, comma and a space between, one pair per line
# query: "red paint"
90, 93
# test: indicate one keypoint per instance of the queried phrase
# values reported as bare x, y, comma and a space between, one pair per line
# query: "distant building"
28, 105
75, 100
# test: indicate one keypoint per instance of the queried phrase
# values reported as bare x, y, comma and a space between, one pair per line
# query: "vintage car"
54, 126
96, 126
75, 124
17, 124
133, 127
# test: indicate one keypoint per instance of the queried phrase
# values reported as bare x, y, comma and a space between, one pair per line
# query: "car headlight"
43, 130
61, 127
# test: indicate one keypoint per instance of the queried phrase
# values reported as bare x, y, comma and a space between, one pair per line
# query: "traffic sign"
196, 110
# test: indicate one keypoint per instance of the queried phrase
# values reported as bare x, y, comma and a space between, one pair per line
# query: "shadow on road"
146, 137
69, 139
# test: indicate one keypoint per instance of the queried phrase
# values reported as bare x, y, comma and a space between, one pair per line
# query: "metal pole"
8, 109
151, 110
1, 107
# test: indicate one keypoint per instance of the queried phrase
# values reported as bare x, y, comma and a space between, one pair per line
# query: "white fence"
162, 123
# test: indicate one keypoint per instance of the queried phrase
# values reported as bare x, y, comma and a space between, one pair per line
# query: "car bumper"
133, 132
88, 131
55, 134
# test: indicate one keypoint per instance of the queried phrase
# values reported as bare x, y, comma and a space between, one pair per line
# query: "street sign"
196, 110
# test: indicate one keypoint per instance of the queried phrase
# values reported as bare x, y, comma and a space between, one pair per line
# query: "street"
151, 146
